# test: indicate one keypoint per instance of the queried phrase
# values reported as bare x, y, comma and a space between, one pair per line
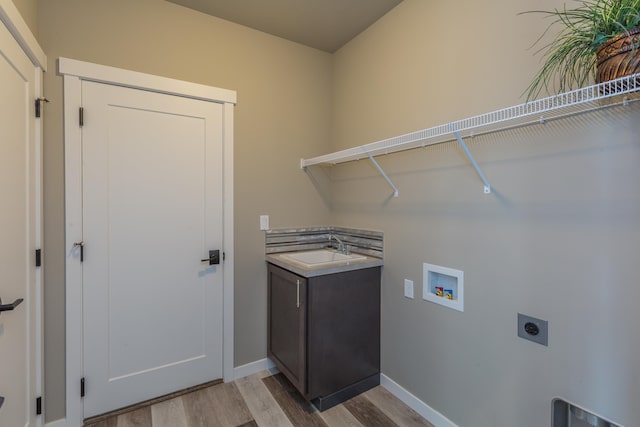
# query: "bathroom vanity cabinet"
324, 332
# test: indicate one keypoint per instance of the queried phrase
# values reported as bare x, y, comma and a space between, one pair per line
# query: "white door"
152, 210
18, 234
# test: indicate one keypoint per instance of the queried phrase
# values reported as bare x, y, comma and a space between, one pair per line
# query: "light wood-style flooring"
264, 399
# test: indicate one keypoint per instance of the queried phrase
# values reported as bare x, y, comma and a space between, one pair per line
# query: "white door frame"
13, 21
20, 30
74, 72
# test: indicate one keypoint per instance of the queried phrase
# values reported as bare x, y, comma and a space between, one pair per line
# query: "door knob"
9, 307
1, 401
214, 257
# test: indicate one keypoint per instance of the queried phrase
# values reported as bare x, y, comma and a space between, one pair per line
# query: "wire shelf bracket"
566, 104
487, 186
384, 175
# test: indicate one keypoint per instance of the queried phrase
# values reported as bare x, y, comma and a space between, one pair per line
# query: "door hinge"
39, 406
38, 257
224, 256
38, 104
81, 246
82, 387
81, 116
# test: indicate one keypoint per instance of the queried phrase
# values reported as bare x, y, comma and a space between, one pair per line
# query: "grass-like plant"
570, 58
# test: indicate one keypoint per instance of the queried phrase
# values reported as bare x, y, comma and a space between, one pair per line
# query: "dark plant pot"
619, 56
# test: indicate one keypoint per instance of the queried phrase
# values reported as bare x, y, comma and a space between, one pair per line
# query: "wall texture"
557, 239
284, 97
29, 11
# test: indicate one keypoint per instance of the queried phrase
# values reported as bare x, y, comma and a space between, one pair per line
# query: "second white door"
152, 210
19, 232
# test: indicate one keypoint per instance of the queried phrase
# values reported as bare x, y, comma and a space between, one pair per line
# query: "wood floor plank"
137, 418
263, 406
367, 413
110, 422
267, 373
114, 414
169, 413
339, 416
220, 405
198, 409
395, 409
229, 405
299, 411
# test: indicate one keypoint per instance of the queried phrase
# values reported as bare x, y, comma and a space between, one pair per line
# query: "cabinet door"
343, 330
287, 308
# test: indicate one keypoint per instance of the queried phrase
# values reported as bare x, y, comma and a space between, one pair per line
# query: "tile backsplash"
366, 242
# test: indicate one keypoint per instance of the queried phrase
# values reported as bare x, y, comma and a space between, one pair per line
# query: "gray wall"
558, 238
29, 11
283, 109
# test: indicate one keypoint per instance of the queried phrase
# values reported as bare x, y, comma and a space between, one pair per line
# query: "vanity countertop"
304, 270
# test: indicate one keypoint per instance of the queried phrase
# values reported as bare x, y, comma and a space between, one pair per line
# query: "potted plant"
598, 41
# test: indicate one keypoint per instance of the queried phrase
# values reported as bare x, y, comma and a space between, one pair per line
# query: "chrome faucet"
341, 246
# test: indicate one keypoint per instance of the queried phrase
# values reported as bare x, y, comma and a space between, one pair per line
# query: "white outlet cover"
264, 222
408, 288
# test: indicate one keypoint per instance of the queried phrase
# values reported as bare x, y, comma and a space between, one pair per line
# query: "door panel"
17, 233
152, 209
287, 325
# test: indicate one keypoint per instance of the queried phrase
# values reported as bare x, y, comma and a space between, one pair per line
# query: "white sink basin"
321, 257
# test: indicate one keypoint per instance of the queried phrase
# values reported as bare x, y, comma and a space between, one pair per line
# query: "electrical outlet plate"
533, 329
408, 288
264, 222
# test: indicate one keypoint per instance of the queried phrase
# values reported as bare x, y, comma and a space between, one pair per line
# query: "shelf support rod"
384, 175
487, 186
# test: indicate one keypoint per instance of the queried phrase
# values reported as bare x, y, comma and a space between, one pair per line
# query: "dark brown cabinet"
324, 332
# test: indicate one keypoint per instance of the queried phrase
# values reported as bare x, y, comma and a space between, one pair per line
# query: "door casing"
74, 72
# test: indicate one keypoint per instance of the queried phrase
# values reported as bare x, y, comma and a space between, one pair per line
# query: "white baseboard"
430, 414
253, 368
57, 423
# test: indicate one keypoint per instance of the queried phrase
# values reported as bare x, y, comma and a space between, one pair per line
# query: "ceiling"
322, 24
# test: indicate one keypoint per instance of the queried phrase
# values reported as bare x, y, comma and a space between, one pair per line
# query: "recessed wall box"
443, 285
533, 329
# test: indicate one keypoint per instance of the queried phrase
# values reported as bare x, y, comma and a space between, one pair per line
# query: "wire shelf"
565, 104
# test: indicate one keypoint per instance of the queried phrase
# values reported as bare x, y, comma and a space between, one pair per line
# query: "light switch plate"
408, 288
264, 222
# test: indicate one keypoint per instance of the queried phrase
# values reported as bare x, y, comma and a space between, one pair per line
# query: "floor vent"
566, 414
